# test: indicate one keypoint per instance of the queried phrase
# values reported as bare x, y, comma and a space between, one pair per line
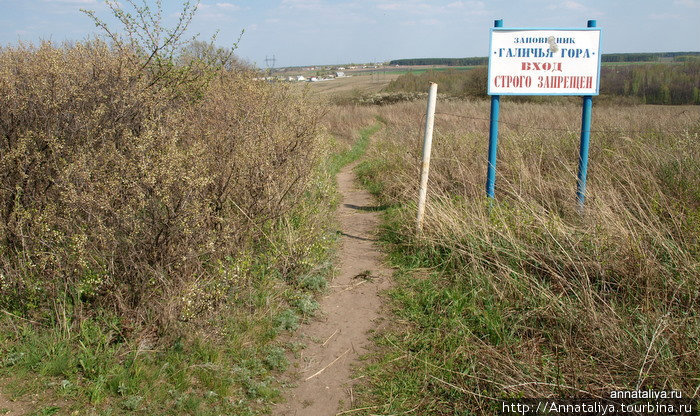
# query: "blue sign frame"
586, 115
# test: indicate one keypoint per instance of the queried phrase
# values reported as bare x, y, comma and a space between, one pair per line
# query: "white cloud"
218, 6
217, 11
420, 7
687, 3
323, 11
664, 16
569, 5
302, 4
407, 6
466, 5
228, 6
572, 5
72, 1
389, 6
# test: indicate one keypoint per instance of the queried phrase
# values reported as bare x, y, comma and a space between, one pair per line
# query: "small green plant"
275, 359
132, 403
313, 282
287, 320
306, 304
46, 411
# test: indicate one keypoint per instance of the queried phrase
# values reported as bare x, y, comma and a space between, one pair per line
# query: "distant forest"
648, 83
608, 57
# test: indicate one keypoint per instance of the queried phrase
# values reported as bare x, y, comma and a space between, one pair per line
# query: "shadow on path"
356, 237
368, 208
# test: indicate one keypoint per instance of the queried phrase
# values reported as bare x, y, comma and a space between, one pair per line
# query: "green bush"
470, 83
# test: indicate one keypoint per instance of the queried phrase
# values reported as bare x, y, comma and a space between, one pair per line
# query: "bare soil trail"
12, 408
339, 336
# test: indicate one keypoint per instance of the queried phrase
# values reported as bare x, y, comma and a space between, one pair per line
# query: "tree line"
608, 57
647, 83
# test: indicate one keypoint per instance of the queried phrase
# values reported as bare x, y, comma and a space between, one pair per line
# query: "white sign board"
544, 62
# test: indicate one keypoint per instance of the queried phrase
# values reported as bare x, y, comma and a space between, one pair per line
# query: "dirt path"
12, 408
349, 310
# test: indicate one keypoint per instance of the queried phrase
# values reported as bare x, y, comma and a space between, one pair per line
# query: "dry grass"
343, 122
528, 297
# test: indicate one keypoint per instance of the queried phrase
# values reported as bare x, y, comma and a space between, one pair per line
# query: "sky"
316, 32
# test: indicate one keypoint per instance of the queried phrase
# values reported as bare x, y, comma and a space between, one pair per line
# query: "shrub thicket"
471, 83
654, 83
132, 188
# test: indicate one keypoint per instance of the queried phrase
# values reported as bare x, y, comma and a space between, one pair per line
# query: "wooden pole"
425, 163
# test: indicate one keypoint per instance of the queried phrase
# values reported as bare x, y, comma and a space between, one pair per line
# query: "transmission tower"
270, 63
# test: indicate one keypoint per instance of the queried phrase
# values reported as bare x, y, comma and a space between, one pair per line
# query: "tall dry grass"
343, 122
133, 191
530, 298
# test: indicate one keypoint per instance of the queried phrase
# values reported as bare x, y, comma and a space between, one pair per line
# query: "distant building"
301, 78
340, 74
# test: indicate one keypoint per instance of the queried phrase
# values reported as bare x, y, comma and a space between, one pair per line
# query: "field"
368, 80
366, 83
404, 69
529, 297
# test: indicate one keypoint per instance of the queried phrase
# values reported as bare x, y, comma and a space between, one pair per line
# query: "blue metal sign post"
529, 61
493, 137
585, 139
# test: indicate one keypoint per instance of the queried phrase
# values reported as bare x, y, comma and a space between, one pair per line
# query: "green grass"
418, 363
232, 371
340, 159
94, 373
365, 170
